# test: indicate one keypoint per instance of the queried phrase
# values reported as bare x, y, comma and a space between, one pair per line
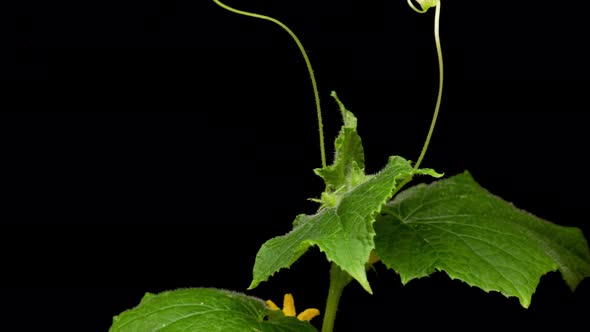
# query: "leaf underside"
205, 309
456, 226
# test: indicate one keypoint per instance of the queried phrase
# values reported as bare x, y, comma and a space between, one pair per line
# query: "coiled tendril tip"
424, 4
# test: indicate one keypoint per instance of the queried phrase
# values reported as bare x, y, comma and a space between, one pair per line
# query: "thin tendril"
421, 11
307, 62
440, 84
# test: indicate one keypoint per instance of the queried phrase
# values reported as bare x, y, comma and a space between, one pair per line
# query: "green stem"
338, 280
307, 63
440, 84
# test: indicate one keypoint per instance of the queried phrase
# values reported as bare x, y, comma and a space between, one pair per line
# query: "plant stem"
440, 84
314, 84
338, 280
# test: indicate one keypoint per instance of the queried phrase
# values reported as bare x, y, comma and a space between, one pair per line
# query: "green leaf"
343, 226
204, 309
343, 232
349, 159
454, 225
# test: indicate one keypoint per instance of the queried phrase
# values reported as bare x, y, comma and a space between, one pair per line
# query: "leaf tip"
525, 302
253, 284
362, 280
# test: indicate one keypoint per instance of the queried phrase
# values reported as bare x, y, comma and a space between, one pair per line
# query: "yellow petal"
272, 305
289, 305
308, 314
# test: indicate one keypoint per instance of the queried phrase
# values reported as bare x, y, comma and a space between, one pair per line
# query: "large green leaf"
205, 309
454, 225
342, 228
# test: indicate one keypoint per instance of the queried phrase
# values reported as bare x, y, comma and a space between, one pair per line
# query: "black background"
151, 145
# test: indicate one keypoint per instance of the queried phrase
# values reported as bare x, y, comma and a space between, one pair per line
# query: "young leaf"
342, 228
348, 168
454, 225
205, 309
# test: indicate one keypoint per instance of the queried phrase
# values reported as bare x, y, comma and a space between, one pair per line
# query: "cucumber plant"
451, 224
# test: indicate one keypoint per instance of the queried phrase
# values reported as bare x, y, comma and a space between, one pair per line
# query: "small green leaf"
349, 159
454, 225
204, 309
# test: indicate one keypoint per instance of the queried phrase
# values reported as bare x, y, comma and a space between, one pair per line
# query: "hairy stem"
440, 84
338, 280
307, 63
